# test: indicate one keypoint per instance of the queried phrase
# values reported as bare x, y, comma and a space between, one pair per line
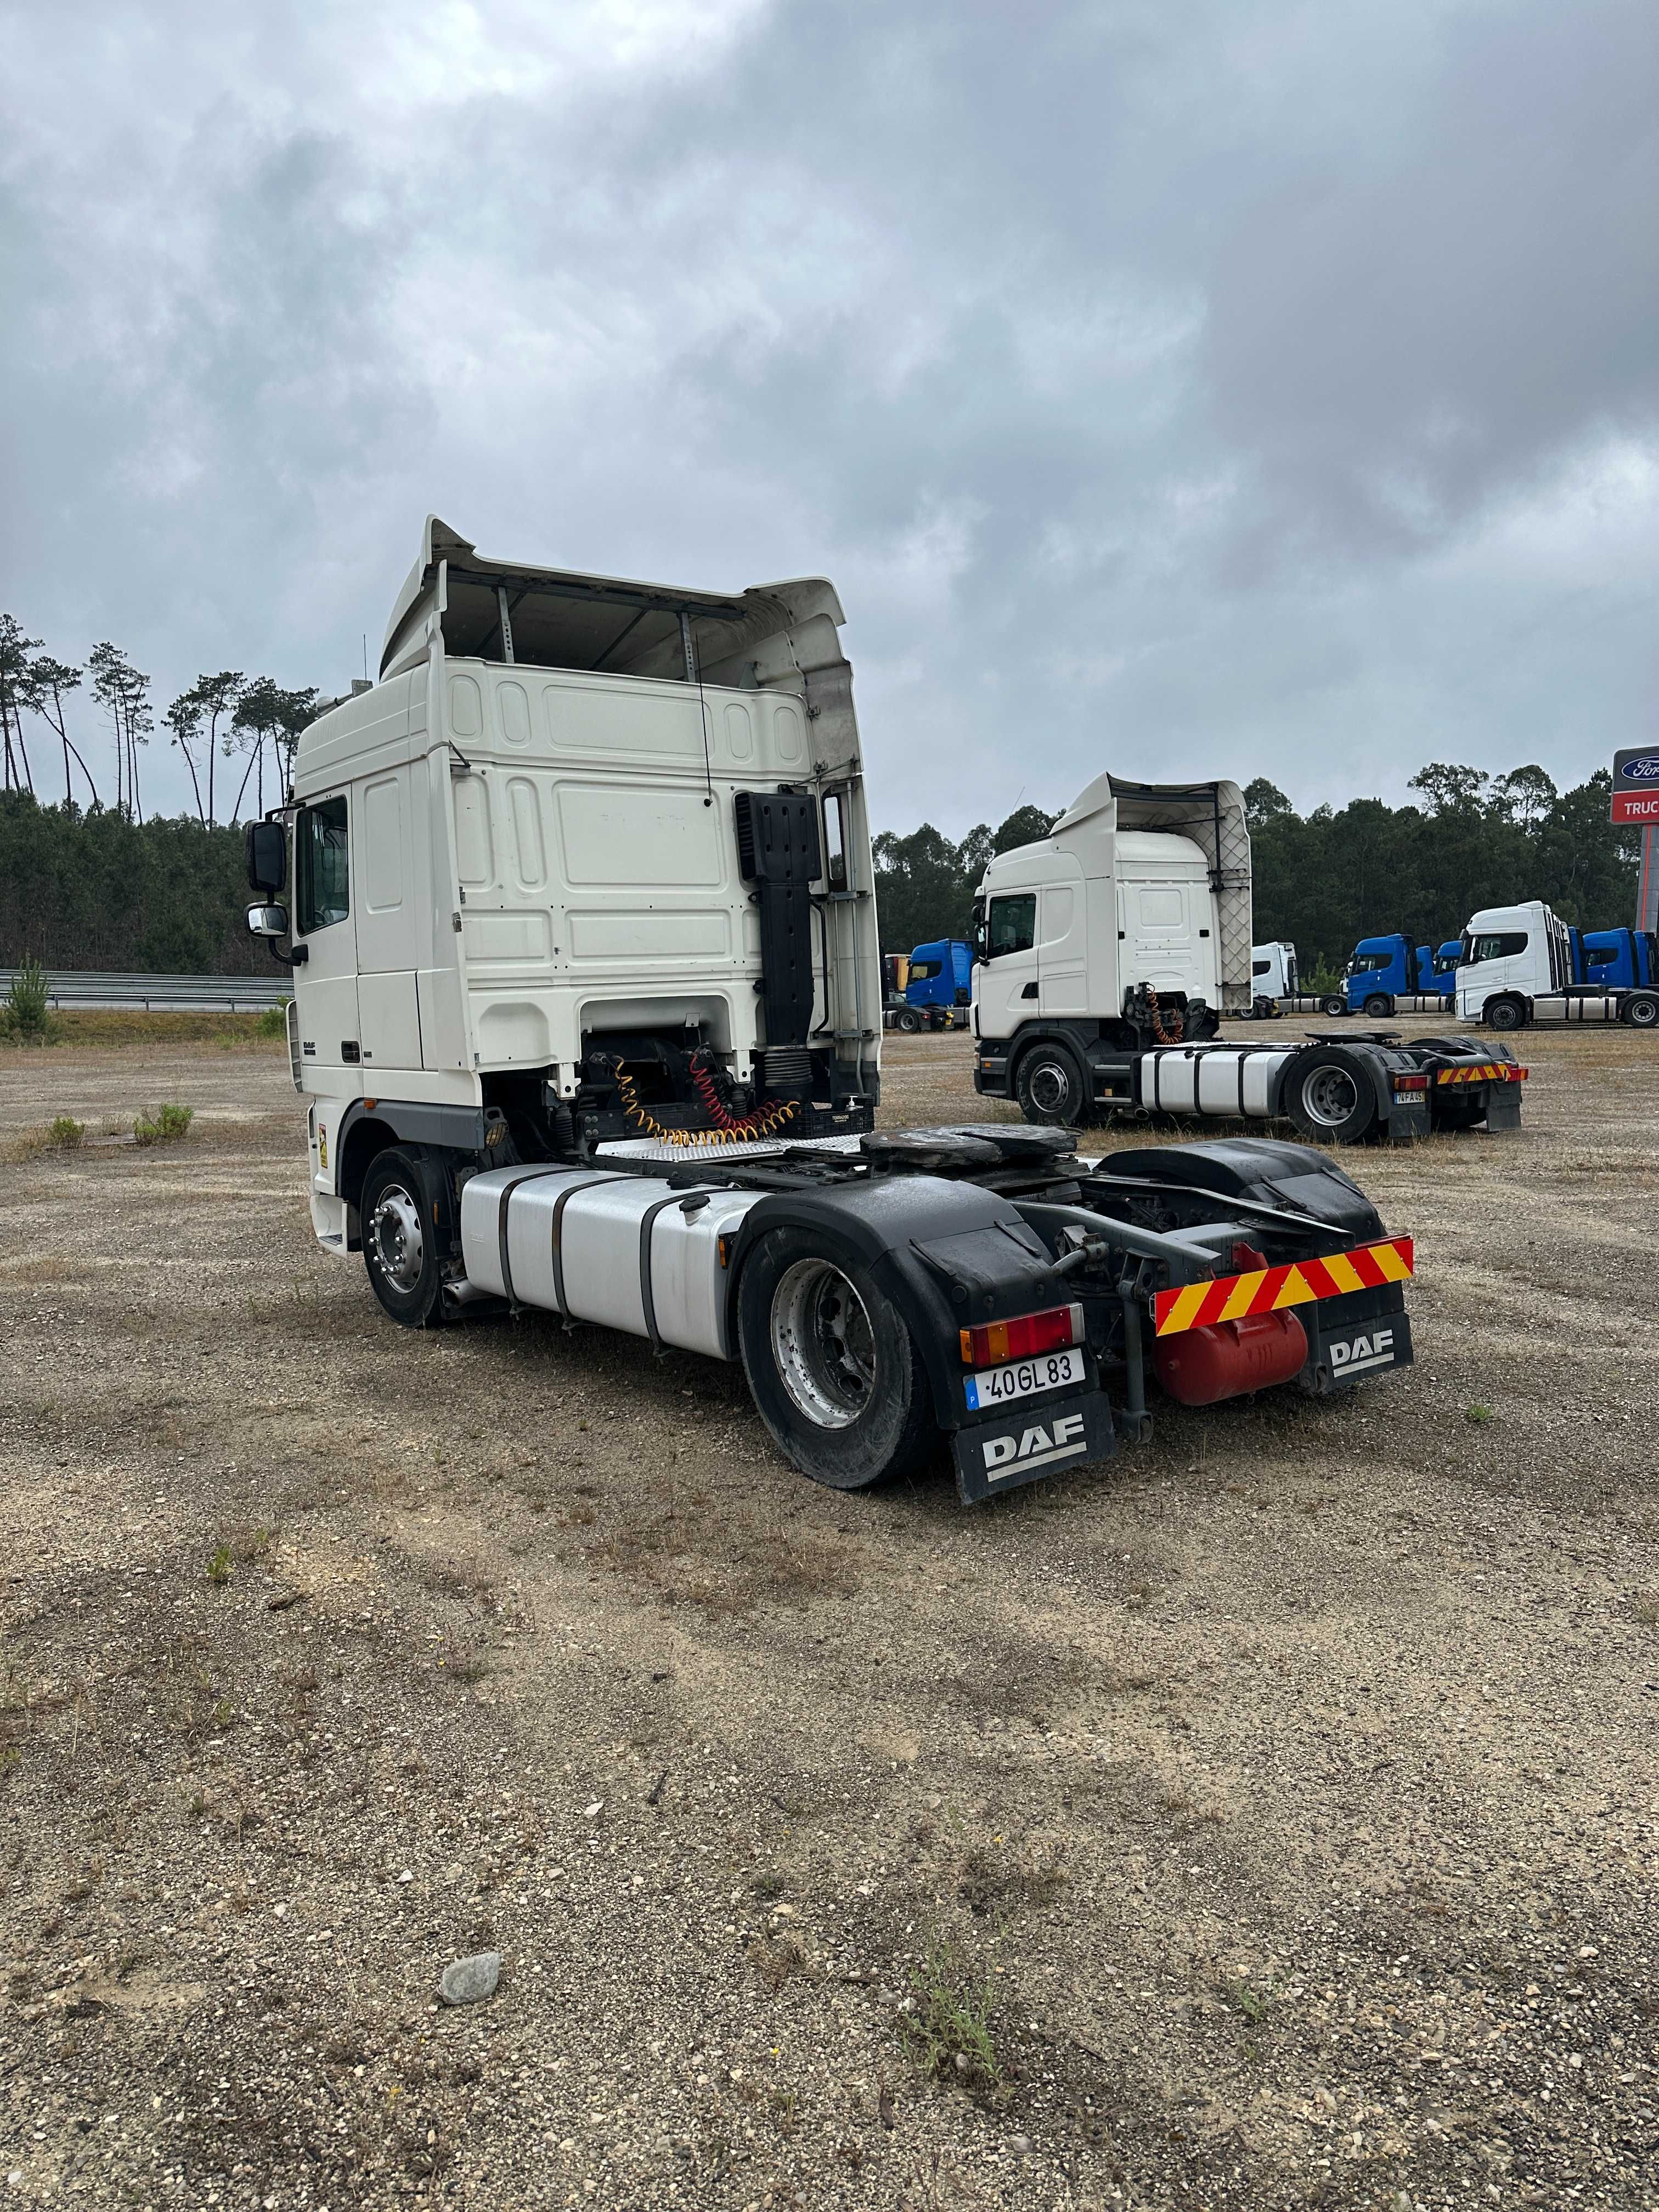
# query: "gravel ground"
1268, 1818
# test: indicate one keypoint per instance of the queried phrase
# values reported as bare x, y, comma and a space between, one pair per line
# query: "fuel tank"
627, 1251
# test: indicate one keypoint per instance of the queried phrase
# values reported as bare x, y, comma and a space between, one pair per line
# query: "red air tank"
1230, 1359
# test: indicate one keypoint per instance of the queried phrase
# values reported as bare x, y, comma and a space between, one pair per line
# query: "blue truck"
939, 988
1389, 975
1614, 960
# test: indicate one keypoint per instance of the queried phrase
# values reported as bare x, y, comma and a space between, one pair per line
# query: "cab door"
1007, 982
325, 981
1063, 948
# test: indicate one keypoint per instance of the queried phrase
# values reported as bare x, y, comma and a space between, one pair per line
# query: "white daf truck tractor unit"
587, 1011
1107, 951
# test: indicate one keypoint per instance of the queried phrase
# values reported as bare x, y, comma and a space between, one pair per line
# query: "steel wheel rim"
823, 1345
1050, 1087
396, 1237
1644, 1014
1329, 1096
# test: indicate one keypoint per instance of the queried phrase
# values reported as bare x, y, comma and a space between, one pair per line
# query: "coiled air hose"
727, 1129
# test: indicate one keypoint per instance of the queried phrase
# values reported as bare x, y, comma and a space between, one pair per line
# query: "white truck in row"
578, 901
1523, 964
1108, 950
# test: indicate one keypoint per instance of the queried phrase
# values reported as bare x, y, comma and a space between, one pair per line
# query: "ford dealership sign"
1636, 786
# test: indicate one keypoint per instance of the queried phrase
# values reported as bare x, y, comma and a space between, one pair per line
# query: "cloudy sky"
1234, 386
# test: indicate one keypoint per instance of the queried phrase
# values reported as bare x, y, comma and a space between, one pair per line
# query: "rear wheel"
1506, 1014
1642, 1010
1050, 1087
1332, 1005
402, 1213
1328, 1095
832, 1366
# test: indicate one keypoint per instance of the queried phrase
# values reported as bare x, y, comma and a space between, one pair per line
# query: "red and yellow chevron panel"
1489, 1071
1269, 1290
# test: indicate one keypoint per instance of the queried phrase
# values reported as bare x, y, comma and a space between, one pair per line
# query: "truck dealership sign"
1636, 785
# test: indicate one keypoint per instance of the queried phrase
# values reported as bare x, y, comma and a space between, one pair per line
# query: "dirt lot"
1268, 1818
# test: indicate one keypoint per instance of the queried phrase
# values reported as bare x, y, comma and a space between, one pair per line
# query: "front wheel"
1049, 1086
1379, 1007
1506, 1014
1329, 1095
908, 1019
402, 1213
1642, 1010
833, 1369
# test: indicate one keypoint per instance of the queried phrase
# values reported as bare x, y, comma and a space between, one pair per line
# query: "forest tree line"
95, 887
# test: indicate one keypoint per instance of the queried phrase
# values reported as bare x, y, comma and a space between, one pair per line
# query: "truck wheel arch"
360, 1139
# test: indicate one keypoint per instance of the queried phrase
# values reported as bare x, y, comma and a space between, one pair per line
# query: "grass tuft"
947, 2029
1478, 1416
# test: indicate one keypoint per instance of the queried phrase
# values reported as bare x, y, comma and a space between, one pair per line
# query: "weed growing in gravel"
768, 1882
165, 1126
1644, 1605
1478, 1416
219, 1566
947, 2029
1251, 2002
63, 1135
996, 1880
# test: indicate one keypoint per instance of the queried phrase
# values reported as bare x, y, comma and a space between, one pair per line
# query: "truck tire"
1506, 1013
1379, 1007
1329, 1094
1332, 1005
400, 1208
1050, 1085
1640, 1010
833, 1369
907, 1019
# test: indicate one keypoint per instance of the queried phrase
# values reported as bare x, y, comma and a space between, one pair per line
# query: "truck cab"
1617, 959
1442, 978
939, 988
1128, 926
588, 861
1382, 970
1273, 977
1511, 957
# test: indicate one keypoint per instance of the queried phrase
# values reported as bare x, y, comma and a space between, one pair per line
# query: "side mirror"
267, 921
267, 860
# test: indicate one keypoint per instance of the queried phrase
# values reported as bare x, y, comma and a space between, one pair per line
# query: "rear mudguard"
948, 1254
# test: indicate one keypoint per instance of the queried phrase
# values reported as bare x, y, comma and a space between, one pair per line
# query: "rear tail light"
1410, 1083
996, 1341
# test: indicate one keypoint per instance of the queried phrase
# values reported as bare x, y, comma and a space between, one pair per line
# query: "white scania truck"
579, 904
1107, 950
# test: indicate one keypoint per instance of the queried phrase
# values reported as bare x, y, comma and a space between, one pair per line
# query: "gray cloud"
1249, 386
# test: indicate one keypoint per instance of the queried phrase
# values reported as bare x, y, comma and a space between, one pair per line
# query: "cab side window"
322, 866
1503, 947
1012, 926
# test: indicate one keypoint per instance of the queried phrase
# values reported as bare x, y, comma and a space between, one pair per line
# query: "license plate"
1022, 1378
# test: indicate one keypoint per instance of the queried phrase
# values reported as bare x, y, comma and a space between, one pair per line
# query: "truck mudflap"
1039, 1438
1351, 1305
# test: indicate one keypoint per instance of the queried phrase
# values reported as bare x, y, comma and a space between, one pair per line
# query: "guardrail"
181, 995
